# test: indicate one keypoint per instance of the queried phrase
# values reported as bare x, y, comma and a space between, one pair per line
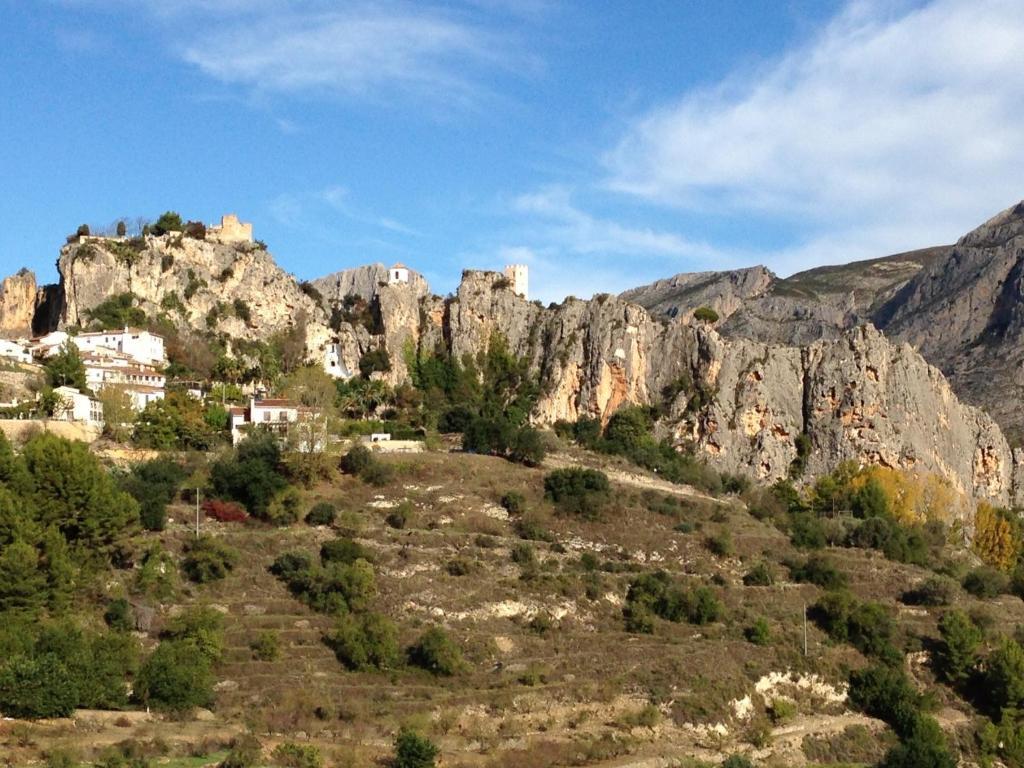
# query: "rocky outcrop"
365, 282
724, 292
965, 314
18, 299
742, 403
858, 397
233, 288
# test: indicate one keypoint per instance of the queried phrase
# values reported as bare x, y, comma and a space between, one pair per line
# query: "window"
266, 415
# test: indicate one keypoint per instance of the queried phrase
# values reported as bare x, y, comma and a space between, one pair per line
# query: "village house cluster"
131, 359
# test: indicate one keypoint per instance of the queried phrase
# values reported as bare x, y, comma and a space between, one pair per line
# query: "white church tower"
518, 275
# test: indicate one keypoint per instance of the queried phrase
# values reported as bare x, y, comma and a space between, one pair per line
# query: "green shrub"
924, 747
867, 626
365, 641
36, 686
885, 692
759, 576
436, 653
252, 476
378, 474
527, 447
956, 655
807, 531
514, 502
290, 755
201, 628
819, 570
737, 760
758, 633
1004, 676
266, 646
175, 678
656, 594
153, 484
322, 513
577, 490
986, 582
414, 751
119, 615
285, 508
208, 559
245, 752
720, 544
342, 550
356, 460
933, 591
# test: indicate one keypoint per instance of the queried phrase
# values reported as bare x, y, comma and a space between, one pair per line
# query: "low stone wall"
396, 446
19, 430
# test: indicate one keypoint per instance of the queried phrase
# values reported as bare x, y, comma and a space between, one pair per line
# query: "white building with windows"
15, 350
76, 406
334, 365
519, 276
139, 345
142, 383
398, 274
273, 414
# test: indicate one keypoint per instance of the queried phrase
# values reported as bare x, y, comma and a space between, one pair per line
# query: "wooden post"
805, 629
197, 513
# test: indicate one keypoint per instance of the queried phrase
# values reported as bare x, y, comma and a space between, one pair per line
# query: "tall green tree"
74, 493
66, 369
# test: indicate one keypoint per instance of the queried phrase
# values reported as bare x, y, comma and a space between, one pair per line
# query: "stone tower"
519, 276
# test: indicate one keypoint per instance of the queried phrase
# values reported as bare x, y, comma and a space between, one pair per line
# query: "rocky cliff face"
18, 299
742, 403
364, 282
724, 292
965, 314
197, 283
859, 397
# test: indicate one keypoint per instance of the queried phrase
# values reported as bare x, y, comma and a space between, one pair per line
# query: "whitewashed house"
15, 350
76, 406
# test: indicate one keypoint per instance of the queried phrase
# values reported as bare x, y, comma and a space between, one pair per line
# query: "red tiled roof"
275, 403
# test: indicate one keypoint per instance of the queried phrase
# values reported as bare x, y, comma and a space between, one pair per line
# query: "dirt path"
633, 479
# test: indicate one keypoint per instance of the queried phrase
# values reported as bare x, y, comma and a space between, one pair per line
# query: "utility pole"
805, 629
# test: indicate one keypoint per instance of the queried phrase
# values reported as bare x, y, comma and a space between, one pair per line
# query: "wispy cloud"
339, 200
894, 125
581, 232
354, 49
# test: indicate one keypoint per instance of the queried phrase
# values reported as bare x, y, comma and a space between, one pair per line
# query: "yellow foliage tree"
914, 497
994, 539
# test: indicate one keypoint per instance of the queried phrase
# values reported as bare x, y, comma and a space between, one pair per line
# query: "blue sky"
606, 144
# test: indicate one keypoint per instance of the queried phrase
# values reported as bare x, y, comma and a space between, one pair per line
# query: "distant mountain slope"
815, 304
680, 295
965, 313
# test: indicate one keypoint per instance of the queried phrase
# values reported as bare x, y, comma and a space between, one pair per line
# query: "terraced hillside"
535, 601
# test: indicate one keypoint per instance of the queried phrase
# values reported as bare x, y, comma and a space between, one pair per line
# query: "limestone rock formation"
365, 282
18, 298
197, 283
724, 292
965, 315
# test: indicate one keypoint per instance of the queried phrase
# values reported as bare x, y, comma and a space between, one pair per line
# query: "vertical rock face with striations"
741, 404
19, 297
365, 282
965, 313
724, 292
196, 283
859, 397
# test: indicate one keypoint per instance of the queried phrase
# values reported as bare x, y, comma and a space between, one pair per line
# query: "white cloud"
583, 233
366, 50
892, 129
